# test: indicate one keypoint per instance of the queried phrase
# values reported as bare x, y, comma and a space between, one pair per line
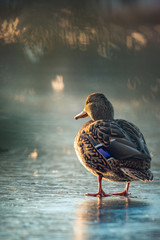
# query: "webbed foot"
98, 194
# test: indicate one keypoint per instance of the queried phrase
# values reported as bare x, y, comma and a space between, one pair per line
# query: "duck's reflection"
102, 217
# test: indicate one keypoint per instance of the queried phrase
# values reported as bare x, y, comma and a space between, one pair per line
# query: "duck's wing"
122, 143
123, 152
105, 131
135, 135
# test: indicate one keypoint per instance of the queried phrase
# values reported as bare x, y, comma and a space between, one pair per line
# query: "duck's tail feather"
143, 175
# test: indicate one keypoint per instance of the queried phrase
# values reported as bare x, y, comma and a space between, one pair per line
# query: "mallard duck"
112, 149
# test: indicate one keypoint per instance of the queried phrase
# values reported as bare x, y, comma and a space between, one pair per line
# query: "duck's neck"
101, 117
102, 113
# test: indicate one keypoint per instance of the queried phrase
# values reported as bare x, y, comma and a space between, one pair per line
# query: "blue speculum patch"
104, 153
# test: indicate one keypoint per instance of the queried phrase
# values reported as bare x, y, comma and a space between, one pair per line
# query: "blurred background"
53, 54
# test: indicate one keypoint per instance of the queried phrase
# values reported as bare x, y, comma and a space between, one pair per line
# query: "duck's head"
98, 107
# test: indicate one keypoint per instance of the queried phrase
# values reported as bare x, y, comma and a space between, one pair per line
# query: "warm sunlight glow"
35, 173
33, 154
9, 30
139, 37
58, 84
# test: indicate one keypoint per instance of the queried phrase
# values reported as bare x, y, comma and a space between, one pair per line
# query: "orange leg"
124, 193
101, 193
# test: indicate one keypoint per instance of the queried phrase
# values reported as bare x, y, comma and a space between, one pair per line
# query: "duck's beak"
83, 114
